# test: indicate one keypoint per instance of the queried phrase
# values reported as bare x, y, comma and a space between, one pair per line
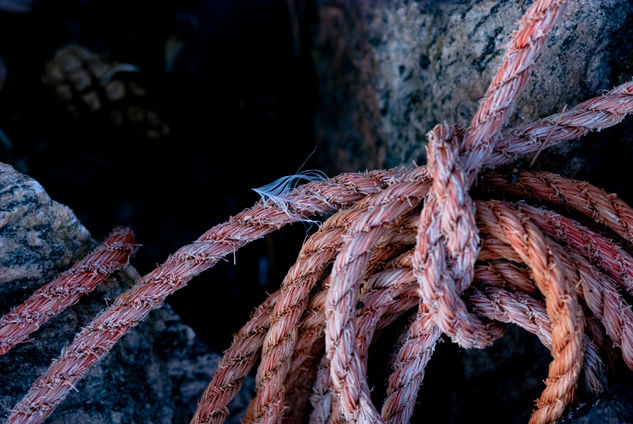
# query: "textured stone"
389, 71
38, 234
155, 374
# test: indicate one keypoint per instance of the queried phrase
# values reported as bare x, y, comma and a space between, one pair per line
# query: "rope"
406, 239
96, 339
67, 288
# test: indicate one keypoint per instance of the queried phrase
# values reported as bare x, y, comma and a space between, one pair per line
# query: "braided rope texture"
408, 239
67, 288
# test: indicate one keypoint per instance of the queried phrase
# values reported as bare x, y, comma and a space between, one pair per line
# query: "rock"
613, 407
389, 71
38, 235
155, 374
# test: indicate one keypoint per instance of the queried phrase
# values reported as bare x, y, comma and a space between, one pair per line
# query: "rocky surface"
388, 71
155, 374
613, 407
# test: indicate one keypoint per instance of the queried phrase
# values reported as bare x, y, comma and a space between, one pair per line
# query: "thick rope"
593, 115
235, 364
148, 293
67, 288
578, 196
394, 290
443, 264
316, 254
606, 255
345, 367
448, 243
561, 302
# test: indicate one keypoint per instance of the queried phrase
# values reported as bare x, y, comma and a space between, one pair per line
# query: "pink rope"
443, 263
346, 370
129, 308
66, 289
318, 252
448, 243
592, 115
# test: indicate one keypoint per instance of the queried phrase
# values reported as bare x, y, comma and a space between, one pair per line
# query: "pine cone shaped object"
109, 92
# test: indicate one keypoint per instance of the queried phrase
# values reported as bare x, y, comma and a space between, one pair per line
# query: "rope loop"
448, 243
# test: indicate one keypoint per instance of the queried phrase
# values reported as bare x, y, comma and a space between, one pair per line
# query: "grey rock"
155, 374
38, 235
388, 71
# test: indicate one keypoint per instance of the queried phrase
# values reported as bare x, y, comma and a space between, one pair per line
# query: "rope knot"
448, 242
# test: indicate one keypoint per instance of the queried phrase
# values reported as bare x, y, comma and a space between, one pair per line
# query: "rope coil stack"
412, 239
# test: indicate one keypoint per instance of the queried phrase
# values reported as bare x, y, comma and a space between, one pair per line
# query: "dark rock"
156, 373
613, 407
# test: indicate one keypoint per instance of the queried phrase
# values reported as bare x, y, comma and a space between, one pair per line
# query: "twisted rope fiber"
235, 364
67, 288
393, 290
447, 240
593, 114
390, 177
561, 301
599, 250
448, 243
240, 357
579, 196
318, 252
599, 105
334, 222
545, 123
512, 273
536, 251
386, 178
601, 295
374, 215
148, 293
345, 367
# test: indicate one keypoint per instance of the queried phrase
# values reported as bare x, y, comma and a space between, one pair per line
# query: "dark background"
238, 100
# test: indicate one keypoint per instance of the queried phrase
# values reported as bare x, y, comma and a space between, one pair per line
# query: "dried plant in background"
103, 91
412, 239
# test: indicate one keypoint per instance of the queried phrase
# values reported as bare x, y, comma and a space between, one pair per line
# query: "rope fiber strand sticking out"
408, 239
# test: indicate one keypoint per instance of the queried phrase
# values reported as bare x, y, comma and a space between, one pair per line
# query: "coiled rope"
411, 239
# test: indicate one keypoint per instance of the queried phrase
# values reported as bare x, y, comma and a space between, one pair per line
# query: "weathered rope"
578, 196
342, 299
448, 242
235, 365
129, 308
324, 338
561, 302
67, 288
592, 115
318, 252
